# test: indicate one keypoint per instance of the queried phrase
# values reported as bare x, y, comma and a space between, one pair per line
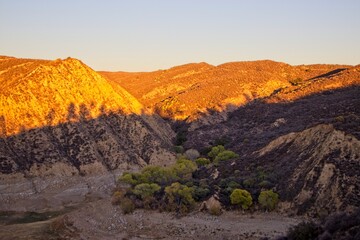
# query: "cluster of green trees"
219, 153
155, 187
178, 187
267, 199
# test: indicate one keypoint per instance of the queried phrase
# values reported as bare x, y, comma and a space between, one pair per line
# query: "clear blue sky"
144, 35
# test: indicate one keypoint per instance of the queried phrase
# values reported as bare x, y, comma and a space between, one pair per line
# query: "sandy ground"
101, 220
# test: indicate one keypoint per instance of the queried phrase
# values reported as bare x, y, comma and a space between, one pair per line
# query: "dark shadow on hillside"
113, 139
252, 126
291, 166
329, 74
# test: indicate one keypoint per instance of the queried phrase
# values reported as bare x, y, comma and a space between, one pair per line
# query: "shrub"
268, 199
202, 161
261, 175
225, 155
215, 151
127, 205
303, 231
179, 149
233, 184
241, 197
200, 193
265, 184
129, 178
249, 183
116, 197
215, 210
179, 197
146, 190
183, 169
340, 119
156, 174
192, 154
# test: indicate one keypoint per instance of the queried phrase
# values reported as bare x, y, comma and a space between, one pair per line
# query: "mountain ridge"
200, 87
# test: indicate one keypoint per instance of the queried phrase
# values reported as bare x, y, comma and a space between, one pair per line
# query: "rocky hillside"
189, 91
60, 118
304, 138
317, 169
294, 126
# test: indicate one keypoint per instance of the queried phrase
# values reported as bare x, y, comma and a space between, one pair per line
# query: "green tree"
200, 193
156, 174
183, 169
225, 155
129, 178
202, 161
268, 200
215, 151
241, 197
145, 190
179, 197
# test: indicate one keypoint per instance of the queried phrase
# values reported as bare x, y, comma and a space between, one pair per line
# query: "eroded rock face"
319, 169
107, 143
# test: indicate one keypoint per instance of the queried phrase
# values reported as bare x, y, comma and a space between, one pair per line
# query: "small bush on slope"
268, 200
242, 198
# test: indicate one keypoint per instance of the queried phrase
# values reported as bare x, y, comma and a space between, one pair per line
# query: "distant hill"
189, 91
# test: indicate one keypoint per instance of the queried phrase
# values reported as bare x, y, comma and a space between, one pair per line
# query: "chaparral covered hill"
299, 124
188, 91
305, 137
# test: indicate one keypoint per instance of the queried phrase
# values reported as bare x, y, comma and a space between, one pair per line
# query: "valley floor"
101, 220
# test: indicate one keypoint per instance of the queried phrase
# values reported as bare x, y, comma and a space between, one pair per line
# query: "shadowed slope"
309, 148
61, 115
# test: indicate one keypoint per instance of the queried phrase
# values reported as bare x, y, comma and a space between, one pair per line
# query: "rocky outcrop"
308, 148
317, 169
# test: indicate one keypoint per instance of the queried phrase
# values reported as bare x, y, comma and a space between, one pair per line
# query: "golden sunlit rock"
37, 93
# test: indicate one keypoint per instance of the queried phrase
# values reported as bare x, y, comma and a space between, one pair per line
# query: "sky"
147, 35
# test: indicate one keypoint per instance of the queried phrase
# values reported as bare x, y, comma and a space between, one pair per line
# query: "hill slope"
304, 136
60, 119
189, 91
43, 93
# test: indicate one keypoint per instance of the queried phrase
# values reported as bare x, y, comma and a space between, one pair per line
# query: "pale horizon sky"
147, 35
